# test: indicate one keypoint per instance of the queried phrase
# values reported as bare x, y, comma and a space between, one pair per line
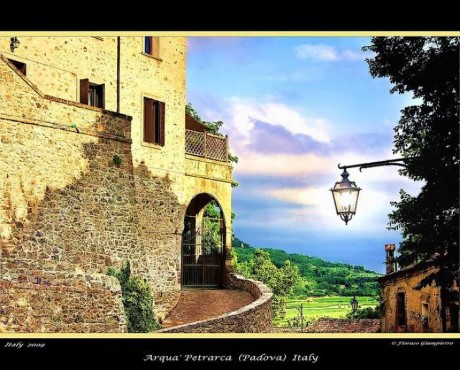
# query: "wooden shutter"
148, 121
102, 102
152, 45
162, 123
84, 89
155, 47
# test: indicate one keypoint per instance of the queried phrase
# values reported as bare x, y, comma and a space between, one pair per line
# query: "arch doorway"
203, 241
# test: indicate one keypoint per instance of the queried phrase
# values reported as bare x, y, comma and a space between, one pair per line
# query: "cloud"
351, 55
300, 76
317, 209
328, 53
320, 52
287, 167
282, 141
281, 164
274, 139
246, 112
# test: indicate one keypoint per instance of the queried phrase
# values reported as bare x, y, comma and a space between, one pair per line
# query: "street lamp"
354, 304
283, 313
345, 192
14, 43
301, 316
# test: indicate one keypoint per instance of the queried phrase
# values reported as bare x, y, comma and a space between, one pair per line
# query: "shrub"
137, 300
364, 313
116, 160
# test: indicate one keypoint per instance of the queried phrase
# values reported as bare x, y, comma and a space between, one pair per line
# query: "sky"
294, 108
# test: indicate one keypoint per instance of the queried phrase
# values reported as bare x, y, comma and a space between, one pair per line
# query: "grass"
316, 307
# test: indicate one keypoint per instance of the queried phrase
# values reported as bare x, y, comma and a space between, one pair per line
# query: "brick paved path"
195, 305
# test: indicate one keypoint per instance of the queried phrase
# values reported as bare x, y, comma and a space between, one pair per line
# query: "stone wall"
160, 231
160, 79
56, 64
253, 318
76, 304
66, 211
65, 208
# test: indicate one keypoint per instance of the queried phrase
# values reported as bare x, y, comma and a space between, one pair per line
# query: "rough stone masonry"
67, 211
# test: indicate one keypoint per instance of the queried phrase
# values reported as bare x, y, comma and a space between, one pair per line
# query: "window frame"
154, 47
85, 87
153, 132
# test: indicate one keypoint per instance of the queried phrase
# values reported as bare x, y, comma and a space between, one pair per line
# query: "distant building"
411, 310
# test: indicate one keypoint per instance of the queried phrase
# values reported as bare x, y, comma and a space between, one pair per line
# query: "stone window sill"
152, 57
151, 145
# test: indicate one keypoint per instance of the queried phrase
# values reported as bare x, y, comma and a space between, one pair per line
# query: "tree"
290, 276
213, 127
280, 280
264, 270
429, 68
364, 313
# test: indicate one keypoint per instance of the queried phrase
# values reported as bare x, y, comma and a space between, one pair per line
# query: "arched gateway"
203, 241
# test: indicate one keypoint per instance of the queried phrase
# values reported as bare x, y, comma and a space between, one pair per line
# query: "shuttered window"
92, 94
154, 121
152, 46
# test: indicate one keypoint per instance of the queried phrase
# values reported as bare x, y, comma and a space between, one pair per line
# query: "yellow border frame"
413, 336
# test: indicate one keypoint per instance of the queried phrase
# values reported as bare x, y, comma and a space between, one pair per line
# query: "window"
401, 309
152, 46
21, 67
92, 94
425, 313
154, 122
424, 309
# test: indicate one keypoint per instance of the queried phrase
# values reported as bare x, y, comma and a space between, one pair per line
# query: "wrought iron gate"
202, 252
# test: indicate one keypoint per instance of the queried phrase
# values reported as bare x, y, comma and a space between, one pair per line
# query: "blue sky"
294, 108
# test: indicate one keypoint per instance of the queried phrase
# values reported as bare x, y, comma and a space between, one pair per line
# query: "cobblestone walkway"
195, 305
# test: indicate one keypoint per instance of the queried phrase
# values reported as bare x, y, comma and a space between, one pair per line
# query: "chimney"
390, 261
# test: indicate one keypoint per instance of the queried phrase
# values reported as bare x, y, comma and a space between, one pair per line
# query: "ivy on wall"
137, 300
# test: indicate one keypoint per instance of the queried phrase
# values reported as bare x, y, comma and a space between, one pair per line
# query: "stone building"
409, 309
98, 166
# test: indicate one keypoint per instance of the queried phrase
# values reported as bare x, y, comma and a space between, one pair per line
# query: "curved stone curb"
253, 318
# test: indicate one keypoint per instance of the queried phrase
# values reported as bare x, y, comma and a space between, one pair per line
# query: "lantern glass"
345, 194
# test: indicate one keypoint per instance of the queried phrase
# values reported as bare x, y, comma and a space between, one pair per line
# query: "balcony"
205, 145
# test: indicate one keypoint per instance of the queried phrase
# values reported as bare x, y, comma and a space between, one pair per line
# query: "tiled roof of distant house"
326, 325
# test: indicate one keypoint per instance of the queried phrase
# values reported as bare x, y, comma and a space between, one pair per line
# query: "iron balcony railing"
203, 144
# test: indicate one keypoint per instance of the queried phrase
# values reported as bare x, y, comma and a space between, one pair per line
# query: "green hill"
320, 277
